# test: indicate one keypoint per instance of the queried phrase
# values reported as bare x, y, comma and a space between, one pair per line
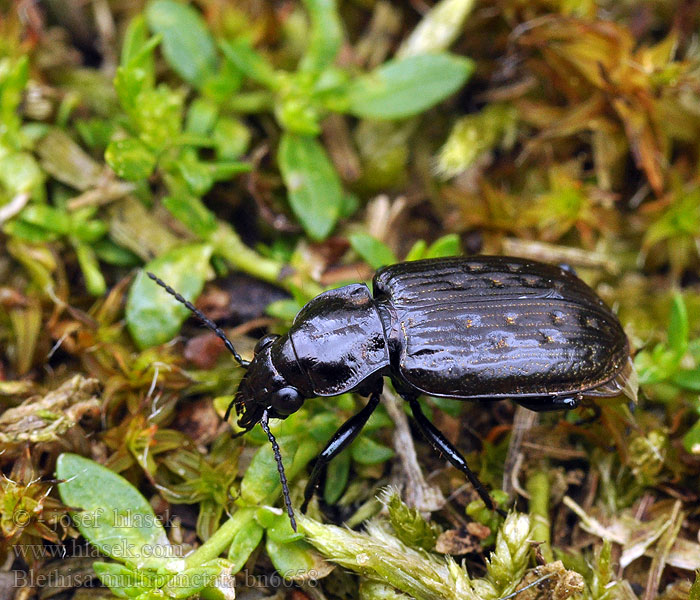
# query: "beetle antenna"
200, 315
280, 468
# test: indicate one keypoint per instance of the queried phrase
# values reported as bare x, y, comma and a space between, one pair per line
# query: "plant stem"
228, 244
218, 542
538, 487
251, 102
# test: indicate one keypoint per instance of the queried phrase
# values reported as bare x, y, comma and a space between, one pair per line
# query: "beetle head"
263, 392
264, 388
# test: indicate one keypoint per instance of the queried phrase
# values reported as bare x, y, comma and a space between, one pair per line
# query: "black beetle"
479, 328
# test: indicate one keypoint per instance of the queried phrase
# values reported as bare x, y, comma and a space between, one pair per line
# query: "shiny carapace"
479, 328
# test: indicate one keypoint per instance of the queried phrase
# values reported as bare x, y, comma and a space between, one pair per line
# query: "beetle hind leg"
442, 445
342, 438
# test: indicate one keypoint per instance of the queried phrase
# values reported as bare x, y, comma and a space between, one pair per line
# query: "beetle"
469, 328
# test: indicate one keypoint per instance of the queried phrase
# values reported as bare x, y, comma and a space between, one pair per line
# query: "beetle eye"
287, 401
264, 342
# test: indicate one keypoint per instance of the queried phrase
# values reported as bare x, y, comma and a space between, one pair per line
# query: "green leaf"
225, 170
688, 379
680, 220
250, 62
375, 253
114, 516
261, 484
136, 40
153, 316
695, 588
448, 405
87, 231
231, 138
130, 159
349, 206
678, 326
195, 173
94, 281
191, 212
38, 261
125, 582
14, 75
285, 309
314, 188
297, 112
225, 85
265, 517
279, 528
136, 72
113, 254
337, 476
96, 133
187, 44
691, 440
656, 366
378, 420
129, 82
294, 559
65, 160
189, 582
402, 88
228, 245
261, 480
417, 251
447, 245
28, 232
244, 542
47, 217
19, 172
326, 35
322, 426
158, 117
201, 116
366, 451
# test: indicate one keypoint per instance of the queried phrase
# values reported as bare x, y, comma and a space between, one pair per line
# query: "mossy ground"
254, 154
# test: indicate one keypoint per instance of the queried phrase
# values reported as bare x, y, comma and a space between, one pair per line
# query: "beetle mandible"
468, 328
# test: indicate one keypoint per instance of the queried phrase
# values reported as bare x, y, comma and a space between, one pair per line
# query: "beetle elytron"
469, 328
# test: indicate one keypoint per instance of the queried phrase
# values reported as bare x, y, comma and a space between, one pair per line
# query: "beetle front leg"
341, 439
442, 445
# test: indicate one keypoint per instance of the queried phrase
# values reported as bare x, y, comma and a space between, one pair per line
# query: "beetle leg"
442, 445
546, 403
341, 439
597, 413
